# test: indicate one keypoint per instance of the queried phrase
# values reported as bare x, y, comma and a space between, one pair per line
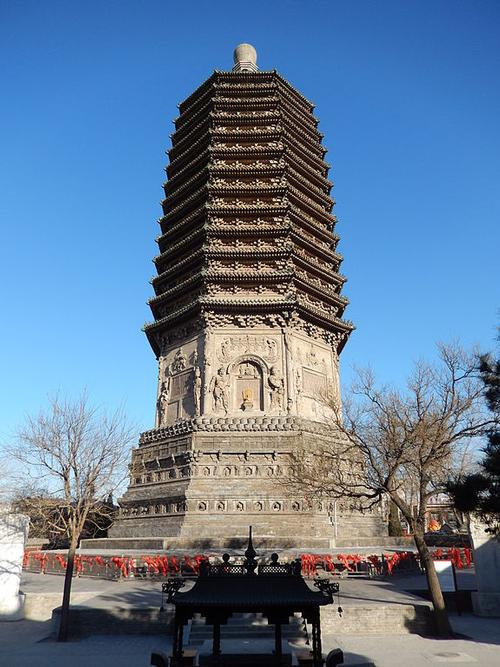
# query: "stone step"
244, 660
243, 632
246, 626
232, 632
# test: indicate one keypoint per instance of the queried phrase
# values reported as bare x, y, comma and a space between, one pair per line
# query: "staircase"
247, 626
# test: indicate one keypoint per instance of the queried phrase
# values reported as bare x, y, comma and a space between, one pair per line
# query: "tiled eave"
219, 275
320, 317
224, 103
246, 253
215, 209
197, 235
327, 294
313, 228
247, 230
247, 171
177, 289
314, 151
327, 274
250, 78
310, 204
175, 229
232, 190
168, 274
247, 152
196, 163
172, 214
327, 255
299, 181
180, 160
181, 313
181, 138
323, 268
175, 189
244, 303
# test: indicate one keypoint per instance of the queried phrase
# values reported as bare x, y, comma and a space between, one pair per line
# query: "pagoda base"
203, 487
144, 544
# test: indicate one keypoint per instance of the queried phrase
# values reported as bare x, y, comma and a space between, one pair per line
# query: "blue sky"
408, 97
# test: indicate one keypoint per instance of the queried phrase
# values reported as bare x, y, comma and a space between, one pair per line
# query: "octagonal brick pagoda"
248, 321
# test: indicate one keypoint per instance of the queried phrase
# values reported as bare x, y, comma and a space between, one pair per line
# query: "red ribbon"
61, 560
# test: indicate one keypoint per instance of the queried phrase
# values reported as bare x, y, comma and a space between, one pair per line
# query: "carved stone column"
290, 384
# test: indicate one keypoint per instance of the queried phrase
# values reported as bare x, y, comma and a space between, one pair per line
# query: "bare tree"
78, 454
384, 439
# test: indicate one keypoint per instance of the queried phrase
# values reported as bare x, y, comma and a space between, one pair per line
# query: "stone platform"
161, 544
187, 545
200, 488
384, 606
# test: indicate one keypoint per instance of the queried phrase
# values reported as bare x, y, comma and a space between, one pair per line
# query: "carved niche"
248, 394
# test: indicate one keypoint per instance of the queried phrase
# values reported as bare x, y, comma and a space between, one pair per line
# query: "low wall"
383, 619
86, 621
39, 606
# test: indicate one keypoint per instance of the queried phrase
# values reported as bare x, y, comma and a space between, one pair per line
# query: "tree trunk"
68, 580
395, 528
442, 623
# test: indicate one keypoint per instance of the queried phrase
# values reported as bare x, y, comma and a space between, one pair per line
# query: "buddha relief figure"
162, 403
220, 388
248, 370
179, 362
298, 389
277, 389
197, 392
247, 395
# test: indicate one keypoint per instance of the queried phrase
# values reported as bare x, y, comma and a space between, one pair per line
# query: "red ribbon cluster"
310, 562
160, 565
164, 565
394, 559
125, 564
348, 562
157, 565
42, 558
459, 557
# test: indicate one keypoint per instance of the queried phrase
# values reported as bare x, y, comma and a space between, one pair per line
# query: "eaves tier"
247, 226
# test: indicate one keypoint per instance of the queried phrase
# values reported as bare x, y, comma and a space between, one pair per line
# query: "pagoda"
248, 321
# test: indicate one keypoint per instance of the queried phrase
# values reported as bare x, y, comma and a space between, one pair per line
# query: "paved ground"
480, 645
26, 643
139, 592
22, 644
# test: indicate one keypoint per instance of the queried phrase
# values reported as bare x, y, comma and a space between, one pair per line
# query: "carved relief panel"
179, 382
315, 375
246, 374
266, 347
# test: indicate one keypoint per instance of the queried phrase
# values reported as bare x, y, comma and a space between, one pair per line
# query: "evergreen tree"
480, 492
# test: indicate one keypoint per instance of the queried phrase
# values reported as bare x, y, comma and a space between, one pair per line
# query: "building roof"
258, 591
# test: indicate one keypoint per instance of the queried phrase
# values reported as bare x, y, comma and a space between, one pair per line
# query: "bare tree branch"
400, 444
79, 454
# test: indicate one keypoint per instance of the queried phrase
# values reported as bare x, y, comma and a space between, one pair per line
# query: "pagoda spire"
245, 59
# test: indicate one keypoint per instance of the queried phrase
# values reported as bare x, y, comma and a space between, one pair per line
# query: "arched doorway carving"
247, 375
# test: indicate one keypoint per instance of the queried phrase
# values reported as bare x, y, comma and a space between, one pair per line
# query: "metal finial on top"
245, 58
250, 553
